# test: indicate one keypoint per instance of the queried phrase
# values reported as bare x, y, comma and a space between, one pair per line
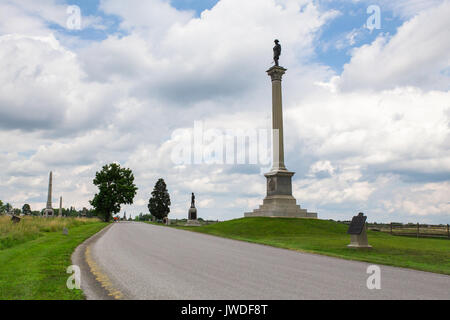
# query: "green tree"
8, 207
91, 213
2, 207
159, 204
70, 212
26, 209
144, 217
116, 187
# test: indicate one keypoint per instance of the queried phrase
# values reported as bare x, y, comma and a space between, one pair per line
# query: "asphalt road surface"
149, 262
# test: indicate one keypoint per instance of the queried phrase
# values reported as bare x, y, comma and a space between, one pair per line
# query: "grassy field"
33, 227
35, 255
330, 238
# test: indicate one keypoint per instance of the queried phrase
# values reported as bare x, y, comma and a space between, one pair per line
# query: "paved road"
150, 262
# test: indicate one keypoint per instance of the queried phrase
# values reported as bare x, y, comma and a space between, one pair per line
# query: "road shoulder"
92, 285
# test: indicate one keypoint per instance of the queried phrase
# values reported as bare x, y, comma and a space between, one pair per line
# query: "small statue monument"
192, 215
277, 53
193, 200
358, 233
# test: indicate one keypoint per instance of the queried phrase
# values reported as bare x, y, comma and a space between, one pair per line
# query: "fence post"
418, 231
391, 228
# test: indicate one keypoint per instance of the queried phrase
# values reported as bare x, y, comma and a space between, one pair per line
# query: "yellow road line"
101, 277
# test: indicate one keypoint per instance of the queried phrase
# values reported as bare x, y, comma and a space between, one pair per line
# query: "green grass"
330, 238
35, 269
31, 228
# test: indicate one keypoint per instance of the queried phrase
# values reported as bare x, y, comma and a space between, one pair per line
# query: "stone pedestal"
279, 201
192, 214
192, 218
48, 213
193, 223
360, 241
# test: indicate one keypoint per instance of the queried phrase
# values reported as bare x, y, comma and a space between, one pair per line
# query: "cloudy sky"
367, 111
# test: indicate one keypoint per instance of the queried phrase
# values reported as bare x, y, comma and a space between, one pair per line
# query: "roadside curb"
91, 286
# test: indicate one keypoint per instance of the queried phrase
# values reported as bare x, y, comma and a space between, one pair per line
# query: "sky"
366, 102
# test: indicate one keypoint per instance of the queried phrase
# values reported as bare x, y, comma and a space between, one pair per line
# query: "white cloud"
153, 17
416, 56
407, 8
343, 187
43, 87
210, 57
364, 129
422, 201
34, 18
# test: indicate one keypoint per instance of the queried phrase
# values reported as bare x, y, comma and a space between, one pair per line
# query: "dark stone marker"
358, 233
65, 231
15, 219
358, 224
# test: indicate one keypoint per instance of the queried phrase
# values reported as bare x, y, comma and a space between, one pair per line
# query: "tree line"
27, 211
116, 187
9, 209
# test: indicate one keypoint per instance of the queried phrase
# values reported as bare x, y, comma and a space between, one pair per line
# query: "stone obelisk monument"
48, 212
279, 201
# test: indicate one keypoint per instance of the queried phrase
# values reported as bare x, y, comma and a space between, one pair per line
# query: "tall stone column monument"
48, 212
279, 201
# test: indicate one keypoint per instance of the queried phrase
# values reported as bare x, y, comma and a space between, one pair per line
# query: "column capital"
276, 73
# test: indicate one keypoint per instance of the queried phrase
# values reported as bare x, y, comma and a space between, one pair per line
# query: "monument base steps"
281, 206
193, 223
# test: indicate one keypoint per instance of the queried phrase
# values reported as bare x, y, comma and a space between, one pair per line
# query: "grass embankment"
34, 256
331, 238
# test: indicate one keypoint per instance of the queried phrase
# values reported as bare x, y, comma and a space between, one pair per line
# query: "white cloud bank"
375, 138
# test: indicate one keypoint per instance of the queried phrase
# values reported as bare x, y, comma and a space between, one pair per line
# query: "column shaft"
276, 73
49, 198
